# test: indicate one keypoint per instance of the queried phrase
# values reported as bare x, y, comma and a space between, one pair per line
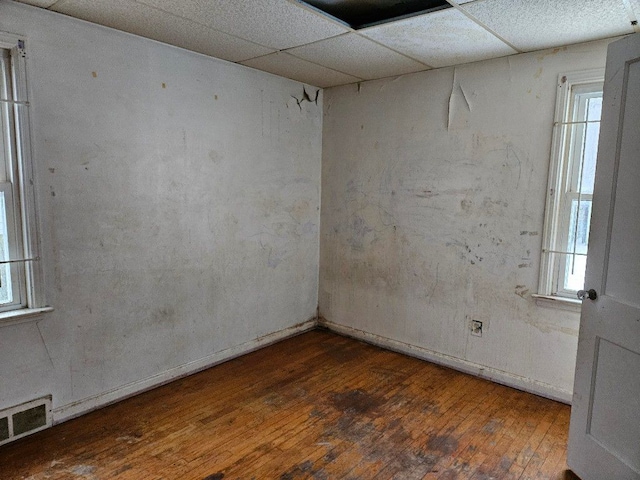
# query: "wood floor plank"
317, 406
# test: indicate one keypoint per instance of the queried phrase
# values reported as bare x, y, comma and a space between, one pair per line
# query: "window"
20, 275
571, 181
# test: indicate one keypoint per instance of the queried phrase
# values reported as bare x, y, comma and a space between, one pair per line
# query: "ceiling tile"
635, 5
39, 3
440, 39
279, 24
357, 56
542, 24
152, 23
295, 68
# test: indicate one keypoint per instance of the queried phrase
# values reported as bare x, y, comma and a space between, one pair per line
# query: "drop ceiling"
295, 40
367, 13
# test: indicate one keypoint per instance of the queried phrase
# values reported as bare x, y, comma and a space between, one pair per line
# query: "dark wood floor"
316, 406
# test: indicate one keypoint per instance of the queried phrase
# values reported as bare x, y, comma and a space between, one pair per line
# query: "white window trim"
561, 303
566, 82
26, 188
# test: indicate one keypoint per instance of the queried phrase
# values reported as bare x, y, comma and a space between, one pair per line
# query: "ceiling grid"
295, 40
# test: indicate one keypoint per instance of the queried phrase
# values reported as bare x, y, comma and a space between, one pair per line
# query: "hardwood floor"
316, 406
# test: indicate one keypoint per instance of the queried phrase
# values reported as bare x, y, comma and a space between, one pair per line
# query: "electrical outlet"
476, 328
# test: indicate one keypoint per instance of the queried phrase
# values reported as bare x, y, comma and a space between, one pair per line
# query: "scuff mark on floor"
215, 476
86, 471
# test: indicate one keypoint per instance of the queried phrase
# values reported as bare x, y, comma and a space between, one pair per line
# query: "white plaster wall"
179, 200
433, 194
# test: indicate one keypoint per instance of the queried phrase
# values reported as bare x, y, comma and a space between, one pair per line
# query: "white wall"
179, 200
433, 194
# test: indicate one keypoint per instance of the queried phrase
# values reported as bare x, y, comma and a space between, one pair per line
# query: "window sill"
561, 303
23, 315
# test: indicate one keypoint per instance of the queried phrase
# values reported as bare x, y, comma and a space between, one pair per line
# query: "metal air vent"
24, 419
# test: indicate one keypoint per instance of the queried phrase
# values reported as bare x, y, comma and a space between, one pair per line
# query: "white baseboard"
80, 407
498, 376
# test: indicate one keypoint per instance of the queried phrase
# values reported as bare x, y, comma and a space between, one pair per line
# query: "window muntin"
571, 181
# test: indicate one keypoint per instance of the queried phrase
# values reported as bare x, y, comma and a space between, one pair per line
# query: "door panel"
604, 434
614, 418
623, 281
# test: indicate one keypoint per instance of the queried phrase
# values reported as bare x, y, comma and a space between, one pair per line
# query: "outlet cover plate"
476, 328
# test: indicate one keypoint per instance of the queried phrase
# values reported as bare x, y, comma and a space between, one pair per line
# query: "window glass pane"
579, 226
6, 293
575, 140
578, 241
5, 114
3, 109
594, 109
575, 270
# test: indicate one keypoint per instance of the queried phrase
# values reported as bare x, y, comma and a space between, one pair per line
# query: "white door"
604, 436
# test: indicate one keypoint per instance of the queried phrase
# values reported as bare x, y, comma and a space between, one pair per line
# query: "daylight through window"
571, 181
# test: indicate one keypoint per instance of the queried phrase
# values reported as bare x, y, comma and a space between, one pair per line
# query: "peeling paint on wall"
305, 97
459, 105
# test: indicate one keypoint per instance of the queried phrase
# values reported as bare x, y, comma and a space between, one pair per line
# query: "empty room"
286, 239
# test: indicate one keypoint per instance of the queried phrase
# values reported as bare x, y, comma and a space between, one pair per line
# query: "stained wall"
179, 209
433, 196
179, 201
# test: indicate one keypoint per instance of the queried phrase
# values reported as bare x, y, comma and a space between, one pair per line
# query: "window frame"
27, 246
554, 221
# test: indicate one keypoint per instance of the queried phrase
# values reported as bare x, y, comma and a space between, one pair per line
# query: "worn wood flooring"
317, 406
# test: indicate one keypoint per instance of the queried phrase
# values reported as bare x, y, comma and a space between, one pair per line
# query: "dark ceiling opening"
365, 13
